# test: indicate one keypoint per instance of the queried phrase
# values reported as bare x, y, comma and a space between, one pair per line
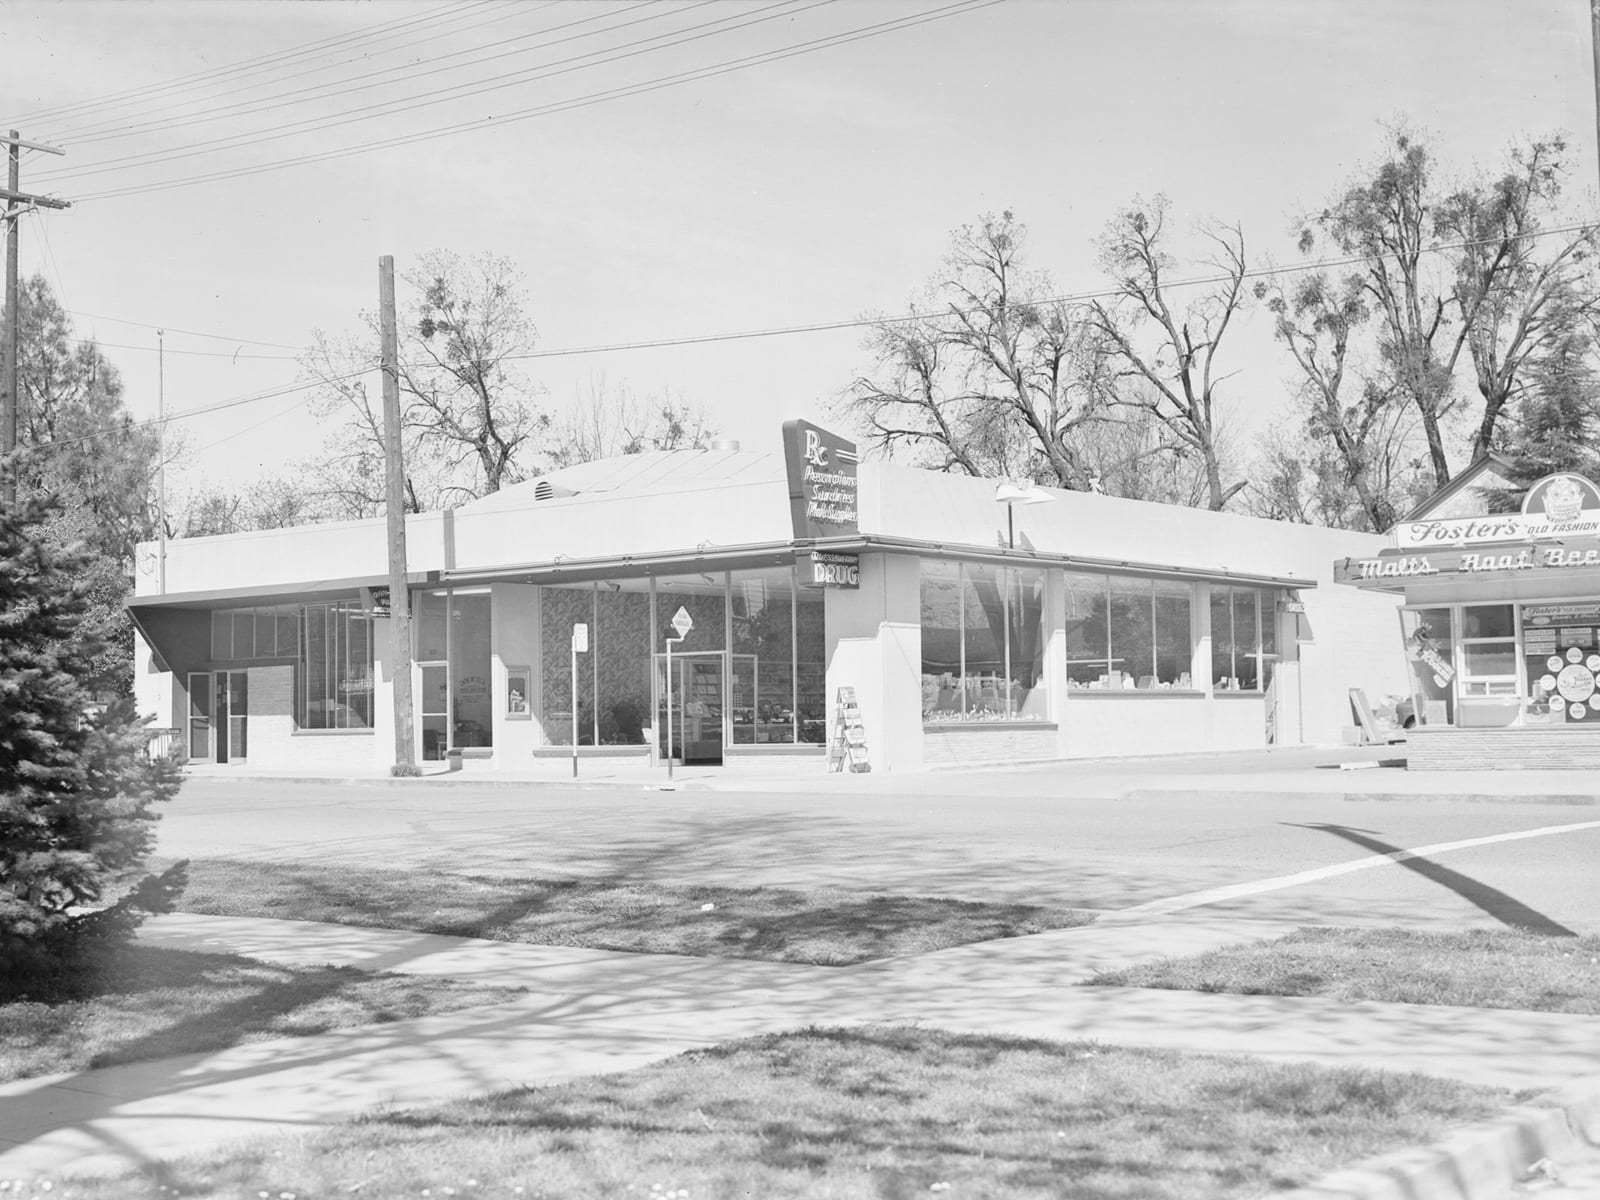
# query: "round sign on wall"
1575, 683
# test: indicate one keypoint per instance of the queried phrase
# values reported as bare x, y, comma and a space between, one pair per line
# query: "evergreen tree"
76, 787
1557, 427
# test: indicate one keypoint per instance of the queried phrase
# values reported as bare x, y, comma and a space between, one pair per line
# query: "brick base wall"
978, 744
1556, 748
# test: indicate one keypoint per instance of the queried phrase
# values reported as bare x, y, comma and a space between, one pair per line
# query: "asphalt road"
1041, 836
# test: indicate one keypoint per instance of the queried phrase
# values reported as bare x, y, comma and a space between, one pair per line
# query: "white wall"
874, 644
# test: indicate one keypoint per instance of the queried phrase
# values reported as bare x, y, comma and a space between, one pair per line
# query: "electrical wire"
190, 353
1066, 298
206, 409
119, 129
693, 75
405, 104
217, 337
246, 66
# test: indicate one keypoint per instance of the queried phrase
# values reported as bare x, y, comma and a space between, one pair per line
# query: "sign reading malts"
1390, 565
1556, 506
822, 480
830, 569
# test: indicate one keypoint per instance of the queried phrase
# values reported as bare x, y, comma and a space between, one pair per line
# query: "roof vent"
725, 444
545, 490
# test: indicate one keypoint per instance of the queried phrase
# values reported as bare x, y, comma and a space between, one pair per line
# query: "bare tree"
469, 424
989, 376
465, 330
1171, 354
1358, 434
606, 421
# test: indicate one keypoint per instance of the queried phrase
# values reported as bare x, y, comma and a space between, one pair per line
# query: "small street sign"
682, 621
580, 639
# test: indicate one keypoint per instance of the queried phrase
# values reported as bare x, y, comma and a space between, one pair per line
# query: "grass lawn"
145, 1002
829, 927
888, 1112
1479, 969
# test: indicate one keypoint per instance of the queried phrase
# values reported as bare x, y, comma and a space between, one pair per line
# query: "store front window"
1128, 634
983, 634
1504, 665
1244, 642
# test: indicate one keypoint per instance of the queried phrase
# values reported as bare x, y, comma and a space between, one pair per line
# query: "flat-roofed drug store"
820, 613
1500, 625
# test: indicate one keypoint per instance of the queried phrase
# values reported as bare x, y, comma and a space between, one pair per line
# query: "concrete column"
383, 695
874, 644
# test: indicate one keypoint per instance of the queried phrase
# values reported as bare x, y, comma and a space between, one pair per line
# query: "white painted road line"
1235, 891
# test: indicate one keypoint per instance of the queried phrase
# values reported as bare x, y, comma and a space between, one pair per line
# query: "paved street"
1262, 837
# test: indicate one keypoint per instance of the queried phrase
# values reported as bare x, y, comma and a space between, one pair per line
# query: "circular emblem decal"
1575, 654
1575, 683
1554, 662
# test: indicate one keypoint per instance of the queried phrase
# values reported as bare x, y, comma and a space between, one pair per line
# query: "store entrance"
219, 713
695, 732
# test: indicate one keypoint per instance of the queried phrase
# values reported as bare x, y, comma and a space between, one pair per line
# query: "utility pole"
16, 204
161, 457
1594, 47
395, 480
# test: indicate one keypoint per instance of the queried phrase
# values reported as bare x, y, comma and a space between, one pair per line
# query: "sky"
809, 169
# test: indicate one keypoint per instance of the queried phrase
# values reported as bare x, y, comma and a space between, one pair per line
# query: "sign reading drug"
580, 639
830, 569
682, 621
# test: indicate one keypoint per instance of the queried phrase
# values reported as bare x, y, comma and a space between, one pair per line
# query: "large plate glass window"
1561, 661
1243, 638
336, 677
1488, 650
983, 637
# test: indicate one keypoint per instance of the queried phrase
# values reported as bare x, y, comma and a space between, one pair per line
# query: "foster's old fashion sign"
1557, 506
1556, 529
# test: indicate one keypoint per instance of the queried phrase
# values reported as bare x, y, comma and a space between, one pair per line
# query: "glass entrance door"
200, 716
232, 711
435, 711
697, 688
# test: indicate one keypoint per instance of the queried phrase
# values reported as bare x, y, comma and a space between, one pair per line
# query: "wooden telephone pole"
17, 203
395, 506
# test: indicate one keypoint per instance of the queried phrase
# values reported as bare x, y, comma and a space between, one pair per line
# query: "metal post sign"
580, 645
683, 623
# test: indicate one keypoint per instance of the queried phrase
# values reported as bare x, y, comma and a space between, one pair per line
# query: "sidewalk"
594, 1011
1350, 772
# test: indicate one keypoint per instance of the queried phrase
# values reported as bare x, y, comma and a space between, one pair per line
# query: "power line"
191, 353
693, 75
216, 337
205, 409
564, 66
249, 65
117, 128
1068, 298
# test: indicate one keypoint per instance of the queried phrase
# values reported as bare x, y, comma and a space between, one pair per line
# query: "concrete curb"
1481, 1162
